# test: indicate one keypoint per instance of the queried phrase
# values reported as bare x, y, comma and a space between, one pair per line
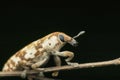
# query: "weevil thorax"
52, 42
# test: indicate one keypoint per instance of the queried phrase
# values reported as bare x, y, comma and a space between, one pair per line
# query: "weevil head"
64, 38
56, 40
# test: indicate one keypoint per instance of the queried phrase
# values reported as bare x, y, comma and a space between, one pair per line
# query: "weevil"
37, 53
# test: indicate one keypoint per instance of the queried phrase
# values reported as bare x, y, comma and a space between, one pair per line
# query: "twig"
67, 67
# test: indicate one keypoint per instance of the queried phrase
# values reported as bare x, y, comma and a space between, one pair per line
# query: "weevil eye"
61, 37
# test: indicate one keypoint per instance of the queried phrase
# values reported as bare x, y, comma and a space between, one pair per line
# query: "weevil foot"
55, 74
73, 64
24, 74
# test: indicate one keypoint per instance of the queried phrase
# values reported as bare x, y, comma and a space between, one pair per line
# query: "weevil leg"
26, 66
24, 74
58, 63
38, 64
68, 54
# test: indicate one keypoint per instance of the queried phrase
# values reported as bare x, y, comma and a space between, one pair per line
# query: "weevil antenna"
80, 33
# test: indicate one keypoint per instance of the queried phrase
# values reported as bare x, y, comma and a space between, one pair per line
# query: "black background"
23, 22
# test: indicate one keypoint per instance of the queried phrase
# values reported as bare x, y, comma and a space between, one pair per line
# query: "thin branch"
67, 67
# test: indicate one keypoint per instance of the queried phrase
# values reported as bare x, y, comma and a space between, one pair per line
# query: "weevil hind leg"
37, 65
24, 74
41, 74
25, 68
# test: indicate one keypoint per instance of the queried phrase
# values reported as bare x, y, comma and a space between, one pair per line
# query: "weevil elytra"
37, 53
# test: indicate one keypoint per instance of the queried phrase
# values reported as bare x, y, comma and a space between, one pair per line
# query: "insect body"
37, 53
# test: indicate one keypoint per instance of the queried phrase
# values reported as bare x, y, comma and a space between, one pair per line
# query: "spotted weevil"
37, 53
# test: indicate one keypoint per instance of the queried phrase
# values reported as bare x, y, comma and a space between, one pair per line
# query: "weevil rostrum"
37, 53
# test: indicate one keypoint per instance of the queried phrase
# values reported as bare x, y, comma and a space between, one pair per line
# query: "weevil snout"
73, 42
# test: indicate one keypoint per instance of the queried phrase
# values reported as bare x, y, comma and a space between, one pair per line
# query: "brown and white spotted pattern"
38, 53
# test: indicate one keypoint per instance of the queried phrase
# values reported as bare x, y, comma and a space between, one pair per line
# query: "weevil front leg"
68, 54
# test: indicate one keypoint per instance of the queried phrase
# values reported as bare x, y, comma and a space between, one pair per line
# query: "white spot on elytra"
15, 59
30, 53
11, 65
